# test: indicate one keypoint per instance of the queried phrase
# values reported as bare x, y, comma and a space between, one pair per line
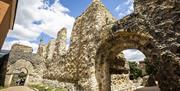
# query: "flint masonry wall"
80, 58
153, 26
157, 19
163, 18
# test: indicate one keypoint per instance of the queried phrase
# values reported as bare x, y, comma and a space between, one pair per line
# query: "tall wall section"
163, 19
79, 64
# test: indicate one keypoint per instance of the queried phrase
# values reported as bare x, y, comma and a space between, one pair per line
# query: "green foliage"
135, 72
150, 68
41, 87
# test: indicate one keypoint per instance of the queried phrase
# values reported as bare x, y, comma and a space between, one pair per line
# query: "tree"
135, 71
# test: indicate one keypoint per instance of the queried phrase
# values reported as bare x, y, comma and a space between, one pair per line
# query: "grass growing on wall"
41, 87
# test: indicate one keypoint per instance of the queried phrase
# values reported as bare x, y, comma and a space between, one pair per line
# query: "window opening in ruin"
126, 69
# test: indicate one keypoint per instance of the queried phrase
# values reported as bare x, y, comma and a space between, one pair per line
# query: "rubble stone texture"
121, 82
50, 49
21, 48
79, 64
97, 39
57, 84
42, 50
164, 19
57, 54
119, 71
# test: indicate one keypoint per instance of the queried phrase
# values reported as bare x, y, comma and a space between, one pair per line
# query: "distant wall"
22, 57
21, 48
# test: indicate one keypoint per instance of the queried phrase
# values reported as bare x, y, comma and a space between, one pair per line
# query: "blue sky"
42, 19
80, 5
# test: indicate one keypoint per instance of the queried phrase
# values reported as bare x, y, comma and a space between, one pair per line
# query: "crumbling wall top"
21, 48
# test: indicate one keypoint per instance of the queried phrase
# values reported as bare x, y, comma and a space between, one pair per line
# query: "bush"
135, 72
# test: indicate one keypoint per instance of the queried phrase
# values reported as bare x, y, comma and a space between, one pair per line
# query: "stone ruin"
22, 60
97, 38
93, 61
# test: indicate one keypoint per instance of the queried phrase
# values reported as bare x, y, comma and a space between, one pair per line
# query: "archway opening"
19, 77
142, 72
131, 70
112, 47
136, 61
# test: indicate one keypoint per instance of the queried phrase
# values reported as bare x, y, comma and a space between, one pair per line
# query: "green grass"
1, 87
41, 87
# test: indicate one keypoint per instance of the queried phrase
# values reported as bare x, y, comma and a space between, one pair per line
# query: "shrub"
135, 72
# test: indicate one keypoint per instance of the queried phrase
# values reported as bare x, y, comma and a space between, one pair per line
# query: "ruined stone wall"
119, 65
163, 17
50, 49
21, 48
79, 64
85, 39
22, 58
158, 19
55, 49
57, 63
121, 82
120, 70
56, 84
152, 28
61, 42
42, 50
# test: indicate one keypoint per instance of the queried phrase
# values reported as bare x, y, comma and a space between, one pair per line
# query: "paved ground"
148, 89
17, 88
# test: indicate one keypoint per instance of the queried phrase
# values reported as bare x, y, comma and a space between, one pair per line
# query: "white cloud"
52, 19
133, 55
125, 8
22, 33
8, 45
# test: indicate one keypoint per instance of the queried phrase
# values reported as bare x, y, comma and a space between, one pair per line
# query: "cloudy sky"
42, 19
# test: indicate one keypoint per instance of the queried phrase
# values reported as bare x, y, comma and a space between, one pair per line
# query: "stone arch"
20, 77
114, 44
25, 70
22, 64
